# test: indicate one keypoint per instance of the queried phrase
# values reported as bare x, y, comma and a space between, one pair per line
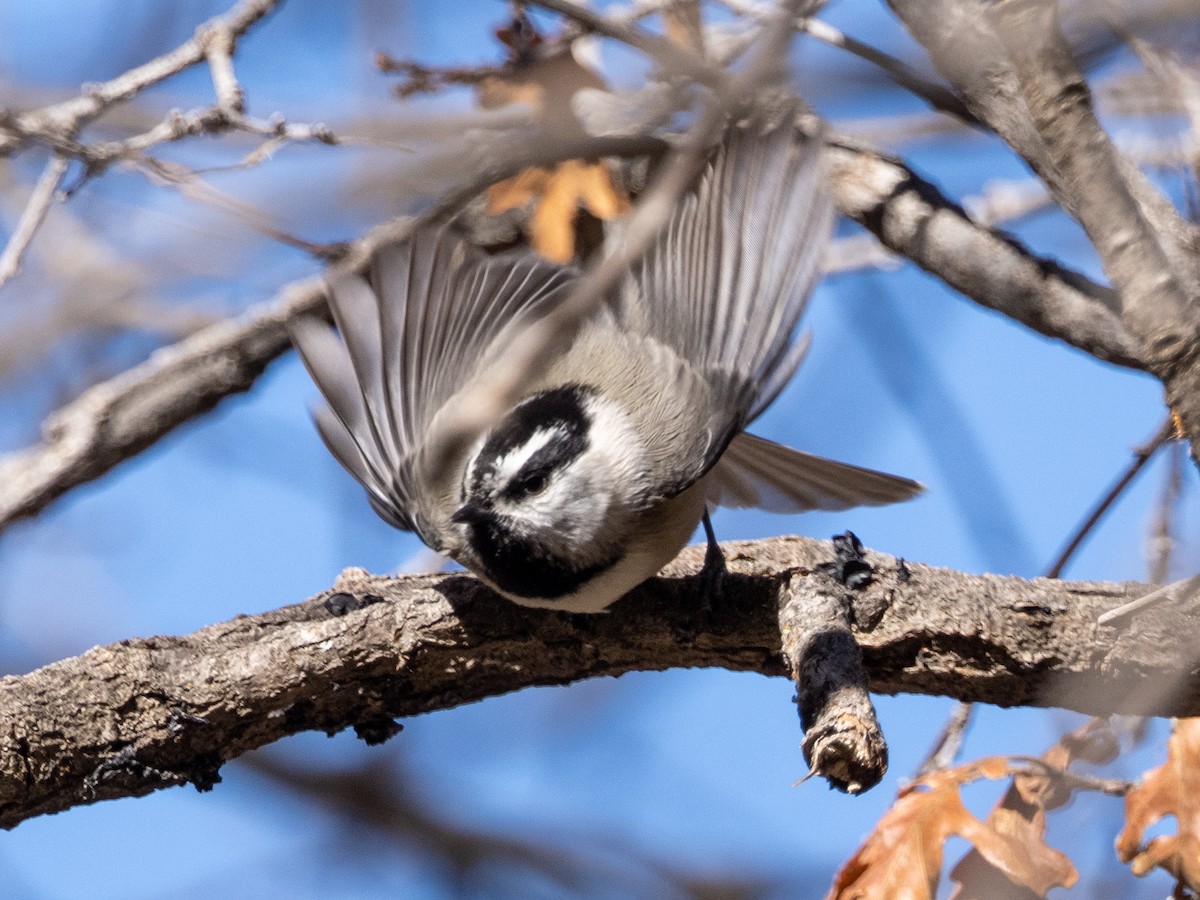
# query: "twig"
219, 44
422, 79
1141, 456
1161, 539
937, 96
945, 749
674, 59
1178, 592
58, 125
1072, 780
897, 70
33, 216
196, 188
1006, 201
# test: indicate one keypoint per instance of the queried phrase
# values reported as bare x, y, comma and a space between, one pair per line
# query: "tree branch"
133, 717
910, 216
58, 125
31, 219
1157, 296
967, 51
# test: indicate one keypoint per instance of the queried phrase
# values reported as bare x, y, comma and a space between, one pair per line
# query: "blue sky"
243, 511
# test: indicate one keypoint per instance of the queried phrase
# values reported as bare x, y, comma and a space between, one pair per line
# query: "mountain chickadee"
598, 476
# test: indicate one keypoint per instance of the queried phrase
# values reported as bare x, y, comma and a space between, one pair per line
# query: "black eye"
534, 483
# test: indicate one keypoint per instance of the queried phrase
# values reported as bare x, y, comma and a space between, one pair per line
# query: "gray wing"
755, 472
435, 313
727, 279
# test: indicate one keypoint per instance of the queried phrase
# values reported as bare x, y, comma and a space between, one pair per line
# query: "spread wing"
755, 472
727, 279
435, 313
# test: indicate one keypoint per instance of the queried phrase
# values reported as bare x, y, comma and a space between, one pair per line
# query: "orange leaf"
1173, 789
557, 195
902, 858
547, 76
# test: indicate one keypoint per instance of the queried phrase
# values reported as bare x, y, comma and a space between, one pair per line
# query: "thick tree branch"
127, 719
1158, 296
910, 216
965, 48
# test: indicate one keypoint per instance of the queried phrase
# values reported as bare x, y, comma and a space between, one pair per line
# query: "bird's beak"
470, 513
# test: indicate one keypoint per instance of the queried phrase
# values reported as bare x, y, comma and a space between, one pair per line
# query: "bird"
615, 450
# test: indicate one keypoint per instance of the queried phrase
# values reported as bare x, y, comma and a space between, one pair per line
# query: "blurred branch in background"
381, 799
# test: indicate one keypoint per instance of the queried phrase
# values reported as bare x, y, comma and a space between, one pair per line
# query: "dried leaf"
1021, 813
902, 858
1173, 789
558, 194
547, 75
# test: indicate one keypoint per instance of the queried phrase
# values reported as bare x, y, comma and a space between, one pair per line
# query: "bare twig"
946, 748
58, 125
676, 60
1178, 593
1072, 780
937, 96
191, 185
1161, 540
35, 212
1141, 456
423, 79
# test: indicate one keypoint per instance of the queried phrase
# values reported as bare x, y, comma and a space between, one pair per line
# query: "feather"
727, 279
435, 313
755, 472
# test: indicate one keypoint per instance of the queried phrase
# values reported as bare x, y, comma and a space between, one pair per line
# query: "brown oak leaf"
1173, 789
1021, 812
902, 857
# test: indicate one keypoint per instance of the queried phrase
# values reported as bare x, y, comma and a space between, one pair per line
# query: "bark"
911, 217
133, 717
1158, 290
1018, 75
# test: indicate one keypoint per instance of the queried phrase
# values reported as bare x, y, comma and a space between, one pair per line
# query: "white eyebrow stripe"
510, 464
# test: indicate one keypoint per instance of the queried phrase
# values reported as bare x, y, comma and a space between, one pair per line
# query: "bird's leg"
713, 574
